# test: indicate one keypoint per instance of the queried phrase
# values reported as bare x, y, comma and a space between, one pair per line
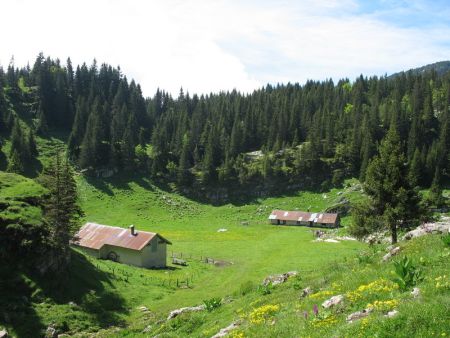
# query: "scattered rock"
346, 238
147, 329
143, 308
306, 292
358, 315
3, 333
333, 301
278, 279
391, 314
222, 230
73, 304
392, 252
418, 232
223, 332
51, 332
63, 335
377, 238
177, 312
440, 227
415, 292
330, 240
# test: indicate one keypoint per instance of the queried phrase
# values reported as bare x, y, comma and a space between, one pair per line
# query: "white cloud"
207, 46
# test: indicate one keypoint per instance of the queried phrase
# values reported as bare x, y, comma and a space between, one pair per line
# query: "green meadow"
106, 299
250, 247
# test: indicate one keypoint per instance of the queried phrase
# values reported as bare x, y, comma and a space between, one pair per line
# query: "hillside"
114, 300
248, 252
440, 68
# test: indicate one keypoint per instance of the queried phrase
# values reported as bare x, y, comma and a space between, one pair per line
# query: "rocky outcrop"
415, 293
306, 292
278, 279
333, 301
392, 252
358, 315
440, 227
3, 333
51, 332
177, 312
223, 332
391, 314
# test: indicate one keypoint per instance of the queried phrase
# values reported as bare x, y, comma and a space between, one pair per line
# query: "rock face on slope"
278, 279
177, 312
439, 227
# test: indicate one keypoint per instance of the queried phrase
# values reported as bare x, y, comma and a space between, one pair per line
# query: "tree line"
313, 134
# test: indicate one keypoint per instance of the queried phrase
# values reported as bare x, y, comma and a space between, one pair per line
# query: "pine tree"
15, 164
61, 209
184, 177
392, 199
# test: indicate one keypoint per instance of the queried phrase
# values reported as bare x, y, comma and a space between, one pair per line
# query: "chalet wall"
154, 255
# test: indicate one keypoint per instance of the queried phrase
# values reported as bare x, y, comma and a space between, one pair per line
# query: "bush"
212, 303
446, 239
265, 289
246, 288
365, 258
407, 274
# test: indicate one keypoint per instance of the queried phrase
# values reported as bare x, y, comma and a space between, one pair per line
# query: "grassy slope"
256, 250
17, 194
426, 316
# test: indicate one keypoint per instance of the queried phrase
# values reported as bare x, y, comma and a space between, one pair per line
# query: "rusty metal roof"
301, 216
94, 236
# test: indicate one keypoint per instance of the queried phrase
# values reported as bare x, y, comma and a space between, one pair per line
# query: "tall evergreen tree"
392, 199
61, 209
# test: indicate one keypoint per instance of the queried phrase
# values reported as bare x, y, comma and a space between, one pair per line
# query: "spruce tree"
61, 209
392, 199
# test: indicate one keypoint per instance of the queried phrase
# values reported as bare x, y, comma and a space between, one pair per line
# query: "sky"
208, 46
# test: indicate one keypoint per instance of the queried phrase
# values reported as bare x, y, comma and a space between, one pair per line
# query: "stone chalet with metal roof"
316, 219
128, 246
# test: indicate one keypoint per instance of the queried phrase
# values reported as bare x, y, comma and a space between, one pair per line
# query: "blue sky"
207, 46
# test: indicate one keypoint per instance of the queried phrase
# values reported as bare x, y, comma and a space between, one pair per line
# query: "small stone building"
128, 246
316, 219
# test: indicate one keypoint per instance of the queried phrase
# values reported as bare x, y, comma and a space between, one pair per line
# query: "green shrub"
446, 239
408, 275
246, 288
297, 283
364, 258
265, 289
212, 303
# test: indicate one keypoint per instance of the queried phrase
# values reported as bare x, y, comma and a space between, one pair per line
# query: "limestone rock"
177, 312
333, 301
306, 292
147, 329
3, 333
278, 279
51, 332
358, 315
143, 308
391, 314
415, 293
223, 332
440, 227
392, 252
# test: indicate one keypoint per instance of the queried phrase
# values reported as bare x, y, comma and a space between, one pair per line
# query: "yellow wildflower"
321, 294
237, 334
383, 305
325, 322
261, 314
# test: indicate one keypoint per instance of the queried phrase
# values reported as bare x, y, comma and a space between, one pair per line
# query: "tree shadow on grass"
17, 313
89, 289
3, 162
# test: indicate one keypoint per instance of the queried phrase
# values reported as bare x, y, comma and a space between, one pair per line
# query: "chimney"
133, 232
